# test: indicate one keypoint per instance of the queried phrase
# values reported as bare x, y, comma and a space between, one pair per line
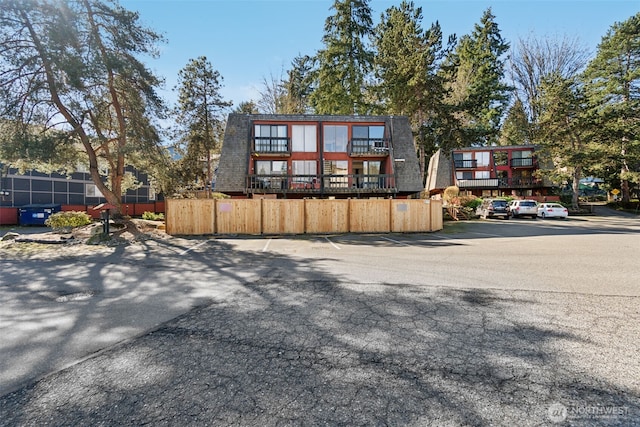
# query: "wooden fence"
313, 216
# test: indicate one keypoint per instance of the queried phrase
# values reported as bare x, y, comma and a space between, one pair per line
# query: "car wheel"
542, 215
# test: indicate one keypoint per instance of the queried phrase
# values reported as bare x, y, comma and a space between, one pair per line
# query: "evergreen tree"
247, 107
477, 90
200, 120
406, 64
565, 130
73, 67
613, 85
515, 129
299, 85
344, 63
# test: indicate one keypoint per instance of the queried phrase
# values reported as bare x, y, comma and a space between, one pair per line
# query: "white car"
552, 210
523, 208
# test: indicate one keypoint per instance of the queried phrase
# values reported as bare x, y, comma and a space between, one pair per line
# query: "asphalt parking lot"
518, 322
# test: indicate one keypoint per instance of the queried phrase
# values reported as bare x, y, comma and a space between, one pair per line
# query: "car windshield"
555, 206
527, 203
499, 203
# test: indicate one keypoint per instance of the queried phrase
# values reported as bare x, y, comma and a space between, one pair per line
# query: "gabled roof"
234, 160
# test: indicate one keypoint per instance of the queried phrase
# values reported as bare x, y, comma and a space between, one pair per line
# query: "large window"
463, 160
367, 138
271, 138
367, 174
270, 171
482, 158
304, 170
335, 138
338, 170
267, 167
522, 158
303, 138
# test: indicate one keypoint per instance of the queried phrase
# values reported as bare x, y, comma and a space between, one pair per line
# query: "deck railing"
321, 183
271, 145
369, 147
499, 183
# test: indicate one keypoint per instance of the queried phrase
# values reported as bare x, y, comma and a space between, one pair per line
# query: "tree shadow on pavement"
291, 344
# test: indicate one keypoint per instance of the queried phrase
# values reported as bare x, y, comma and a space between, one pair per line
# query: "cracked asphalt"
261, 332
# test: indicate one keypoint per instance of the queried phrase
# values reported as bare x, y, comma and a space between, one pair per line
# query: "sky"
248, 41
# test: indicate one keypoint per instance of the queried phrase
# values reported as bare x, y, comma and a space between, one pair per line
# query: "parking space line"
395, 241
266, 246
192, 248
332, 244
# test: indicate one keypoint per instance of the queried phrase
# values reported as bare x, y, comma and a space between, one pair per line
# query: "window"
522, 158
271, 138
367, 138
482, 175
270, 171
367, 174
463, 160
464, 175
482, 157
522, 154
266, 167
304, 170
91, 190
303, 138
338, 169
335, 138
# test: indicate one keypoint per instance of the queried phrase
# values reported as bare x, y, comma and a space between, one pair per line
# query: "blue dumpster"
37, 214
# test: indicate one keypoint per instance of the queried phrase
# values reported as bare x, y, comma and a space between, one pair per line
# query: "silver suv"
523, 208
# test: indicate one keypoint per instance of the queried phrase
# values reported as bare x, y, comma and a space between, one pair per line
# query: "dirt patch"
82, 240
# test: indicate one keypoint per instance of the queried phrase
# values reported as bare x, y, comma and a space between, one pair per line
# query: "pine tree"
565, 130
344, 64
477, 87
406, 64
199, 116
516, 127
612, 80
299, 85
74, 67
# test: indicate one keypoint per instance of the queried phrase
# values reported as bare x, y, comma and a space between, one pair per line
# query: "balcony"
477, 183
322, 184
499, 183
275, 146
465, 164
368, 147
525, 162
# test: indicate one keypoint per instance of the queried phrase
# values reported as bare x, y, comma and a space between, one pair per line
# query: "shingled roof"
439, 173
234, 160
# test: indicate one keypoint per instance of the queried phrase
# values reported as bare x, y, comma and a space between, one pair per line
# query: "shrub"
151, 216
471, 202
68, 220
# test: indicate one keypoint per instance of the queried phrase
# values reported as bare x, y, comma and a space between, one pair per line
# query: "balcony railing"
271, 145
525, 162
369, 147
317, 184
465, 164
499, 183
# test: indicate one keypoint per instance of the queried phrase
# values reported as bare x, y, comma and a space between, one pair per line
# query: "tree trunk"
577, 175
